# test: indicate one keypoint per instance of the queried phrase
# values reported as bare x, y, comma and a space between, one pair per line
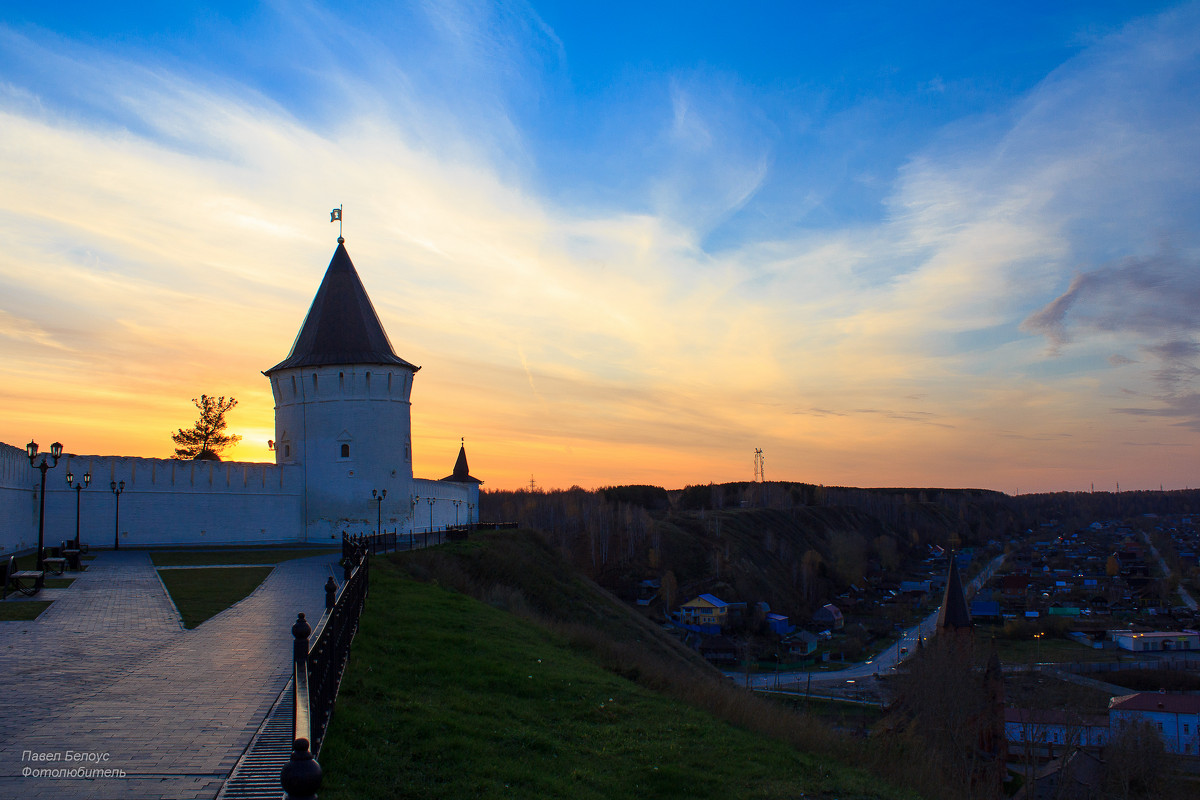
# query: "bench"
13, 579
72, 556
52, 560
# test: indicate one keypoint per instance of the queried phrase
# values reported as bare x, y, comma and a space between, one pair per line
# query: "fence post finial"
301, 775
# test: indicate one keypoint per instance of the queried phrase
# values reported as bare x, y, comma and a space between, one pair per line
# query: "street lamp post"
457, 504
78, 487
117, 488
378, 497
430, 501
471, 515
412, 512
31, 450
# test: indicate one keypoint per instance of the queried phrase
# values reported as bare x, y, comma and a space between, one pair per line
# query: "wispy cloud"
176, 218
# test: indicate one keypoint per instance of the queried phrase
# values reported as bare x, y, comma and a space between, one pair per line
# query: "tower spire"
954, 614
342, 326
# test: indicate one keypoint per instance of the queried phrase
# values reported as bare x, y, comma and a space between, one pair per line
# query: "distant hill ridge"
792, 545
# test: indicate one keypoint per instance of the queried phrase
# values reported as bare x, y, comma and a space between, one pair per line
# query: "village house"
1156, 641
1176, 717
706, 612
829, 616
1047, 732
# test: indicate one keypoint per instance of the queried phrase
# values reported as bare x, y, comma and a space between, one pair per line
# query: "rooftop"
1157, 701
342, 326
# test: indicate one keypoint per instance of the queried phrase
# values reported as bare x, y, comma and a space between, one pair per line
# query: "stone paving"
108, 672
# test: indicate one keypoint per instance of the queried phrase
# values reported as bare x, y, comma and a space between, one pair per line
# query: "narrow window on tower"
345, 451
341, 381
293, 386
287, 451
314, 382
368, 383
389, 383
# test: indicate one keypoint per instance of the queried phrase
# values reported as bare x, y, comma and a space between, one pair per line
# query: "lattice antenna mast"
532, 483
760, 475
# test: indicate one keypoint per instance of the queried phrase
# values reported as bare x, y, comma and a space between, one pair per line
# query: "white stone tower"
343, 410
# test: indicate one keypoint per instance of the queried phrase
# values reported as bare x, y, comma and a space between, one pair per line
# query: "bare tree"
1135, 762
950, 709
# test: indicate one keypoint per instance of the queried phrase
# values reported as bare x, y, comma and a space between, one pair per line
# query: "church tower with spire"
954, 616
343, 409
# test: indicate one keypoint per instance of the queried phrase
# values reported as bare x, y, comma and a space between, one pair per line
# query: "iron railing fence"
319, 660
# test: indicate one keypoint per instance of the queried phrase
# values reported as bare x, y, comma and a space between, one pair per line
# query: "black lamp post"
87, 479
31, 450
412, 534
471, 516
457, 504
378, 497
117, 488
430, 501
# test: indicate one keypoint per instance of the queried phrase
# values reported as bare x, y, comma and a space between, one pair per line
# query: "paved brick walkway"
109, 670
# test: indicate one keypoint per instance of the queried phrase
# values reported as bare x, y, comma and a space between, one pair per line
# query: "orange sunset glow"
1002, 297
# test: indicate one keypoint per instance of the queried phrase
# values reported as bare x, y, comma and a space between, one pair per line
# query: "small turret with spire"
462, 474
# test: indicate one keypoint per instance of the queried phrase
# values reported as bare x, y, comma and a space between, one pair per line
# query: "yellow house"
704, 610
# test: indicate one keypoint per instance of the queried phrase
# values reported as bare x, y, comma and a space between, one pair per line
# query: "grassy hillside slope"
450, 696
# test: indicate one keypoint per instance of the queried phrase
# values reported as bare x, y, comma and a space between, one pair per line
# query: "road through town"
1188, 600
885, 661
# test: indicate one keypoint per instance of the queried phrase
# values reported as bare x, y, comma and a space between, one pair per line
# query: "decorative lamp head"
384, 494
87, 478
56, 450
31, 451
70, 477
113, 486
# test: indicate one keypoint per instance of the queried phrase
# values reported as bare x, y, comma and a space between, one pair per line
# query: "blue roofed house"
778, 624
705, 613
985, 609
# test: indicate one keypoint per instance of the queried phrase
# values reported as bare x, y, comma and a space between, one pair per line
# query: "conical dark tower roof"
342, 326
954, 614
462, 474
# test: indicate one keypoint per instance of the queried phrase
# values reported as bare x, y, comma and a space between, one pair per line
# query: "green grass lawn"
1045, 651
203, 593
57, 583
22, 611
196, 558
448, 697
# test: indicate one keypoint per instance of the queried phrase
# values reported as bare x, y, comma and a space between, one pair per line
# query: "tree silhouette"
205, 440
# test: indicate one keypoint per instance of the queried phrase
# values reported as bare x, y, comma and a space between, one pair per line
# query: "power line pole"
759, 466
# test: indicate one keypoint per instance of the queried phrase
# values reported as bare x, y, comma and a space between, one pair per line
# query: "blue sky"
920, 244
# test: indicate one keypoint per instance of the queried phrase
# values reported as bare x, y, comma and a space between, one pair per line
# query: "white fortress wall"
171, 501
444, 512
18, 500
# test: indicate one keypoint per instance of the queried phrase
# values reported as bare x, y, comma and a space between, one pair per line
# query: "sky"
922, 244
